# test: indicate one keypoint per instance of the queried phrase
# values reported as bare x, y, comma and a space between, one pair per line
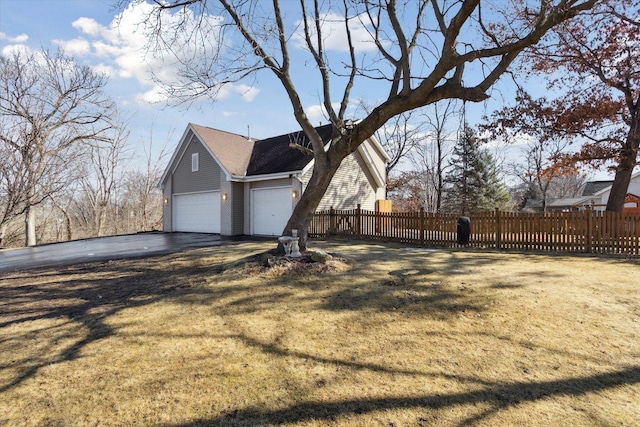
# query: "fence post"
498, 230
421, 226
358, 221
332, 221
589, 228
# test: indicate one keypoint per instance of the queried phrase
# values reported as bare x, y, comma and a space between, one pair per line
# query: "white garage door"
271, 210
198, 213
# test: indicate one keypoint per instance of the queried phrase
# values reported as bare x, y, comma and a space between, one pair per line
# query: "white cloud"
22, 38
230, 114
124, 48
248, 93
317, 113
88, 26
20, 49
107, 70
76, 47
154, 95
122, 42
511, 138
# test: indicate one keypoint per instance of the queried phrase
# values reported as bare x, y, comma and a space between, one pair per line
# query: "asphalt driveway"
109, 248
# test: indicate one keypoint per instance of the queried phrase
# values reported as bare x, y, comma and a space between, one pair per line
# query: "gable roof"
597, 188
274, 155
242, 159
592, 187
233, 151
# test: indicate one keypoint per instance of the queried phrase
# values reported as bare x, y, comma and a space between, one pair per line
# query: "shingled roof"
274, 155
592, 187
242, 157
232, 150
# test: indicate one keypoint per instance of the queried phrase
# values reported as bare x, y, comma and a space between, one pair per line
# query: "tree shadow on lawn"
412, 289
417, 284
407, 290
498, 396
85, 296
81, 297
76, 301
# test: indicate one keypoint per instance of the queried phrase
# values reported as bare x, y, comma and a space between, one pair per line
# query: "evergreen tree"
473, 183
496, 194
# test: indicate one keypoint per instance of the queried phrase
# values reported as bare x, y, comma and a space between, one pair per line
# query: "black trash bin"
464, 230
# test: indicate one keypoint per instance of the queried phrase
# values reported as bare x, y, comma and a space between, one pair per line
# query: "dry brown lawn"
392, 337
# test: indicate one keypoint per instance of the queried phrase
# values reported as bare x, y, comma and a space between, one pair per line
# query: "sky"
89, 31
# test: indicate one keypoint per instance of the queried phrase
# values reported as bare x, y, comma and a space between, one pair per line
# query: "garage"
197, 212
271, 209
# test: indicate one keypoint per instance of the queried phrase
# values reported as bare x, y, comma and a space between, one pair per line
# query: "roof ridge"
224, 131
296, 131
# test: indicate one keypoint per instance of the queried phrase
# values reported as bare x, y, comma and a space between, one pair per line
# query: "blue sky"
87, 30
81, 27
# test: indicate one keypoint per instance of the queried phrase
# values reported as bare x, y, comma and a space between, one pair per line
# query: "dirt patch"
270, 262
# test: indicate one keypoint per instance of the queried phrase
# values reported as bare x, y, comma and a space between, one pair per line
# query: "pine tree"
496, 194
473, 183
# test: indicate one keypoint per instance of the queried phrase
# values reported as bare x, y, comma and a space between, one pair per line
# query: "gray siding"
237, 222
232, 209
207, 178
226, 208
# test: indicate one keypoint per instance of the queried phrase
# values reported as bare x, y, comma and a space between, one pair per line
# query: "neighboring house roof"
275, 155
593, 187
567, 202
533, 204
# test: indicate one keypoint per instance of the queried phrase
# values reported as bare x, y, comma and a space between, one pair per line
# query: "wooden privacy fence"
586, 231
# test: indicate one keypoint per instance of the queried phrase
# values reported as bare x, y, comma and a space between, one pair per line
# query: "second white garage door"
199, 212
271, 210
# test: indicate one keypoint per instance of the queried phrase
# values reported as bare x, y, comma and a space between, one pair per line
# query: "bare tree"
542, 168
141, 192
102, 179
411, 190
429, 159
12, 186
399, 136
568, 185
424, 51
49, 105
63, 201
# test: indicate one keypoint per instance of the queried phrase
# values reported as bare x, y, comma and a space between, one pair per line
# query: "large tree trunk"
67, 222
628, 160
30, 225
309, 201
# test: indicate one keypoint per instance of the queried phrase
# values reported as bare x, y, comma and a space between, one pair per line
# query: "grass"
394, 337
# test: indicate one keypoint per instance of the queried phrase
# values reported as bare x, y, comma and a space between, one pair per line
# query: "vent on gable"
195, 162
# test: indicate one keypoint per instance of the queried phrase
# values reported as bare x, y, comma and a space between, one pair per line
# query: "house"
220, 182
596, 194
